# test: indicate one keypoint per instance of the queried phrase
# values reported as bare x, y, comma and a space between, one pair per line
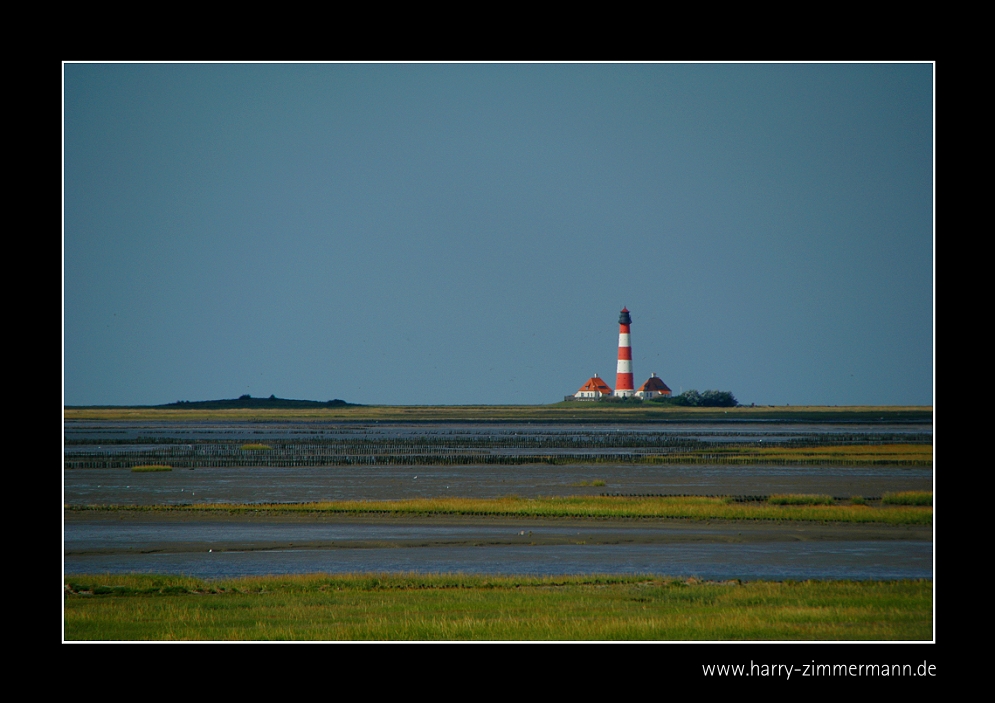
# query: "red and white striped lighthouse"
623, 379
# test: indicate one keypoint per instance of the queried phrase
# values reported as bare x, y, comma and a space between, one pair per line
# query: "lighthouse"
623, 378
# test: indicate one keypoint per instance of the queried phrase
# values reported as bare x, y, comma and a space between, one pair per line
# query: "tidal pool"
311, 484
772, 561
227, 547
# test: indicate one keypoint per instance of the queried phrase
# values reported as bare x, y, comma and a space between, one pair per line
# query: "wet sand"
221, 547
131, 532
314, 484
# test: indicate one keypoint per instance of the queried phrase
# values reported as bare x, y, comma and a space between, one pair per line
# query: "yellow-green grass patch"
856, 454
800, 499
599, 507
908, 498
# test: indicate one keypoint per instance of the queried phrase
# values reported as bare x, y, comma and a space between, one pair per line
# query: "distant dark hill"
249, 403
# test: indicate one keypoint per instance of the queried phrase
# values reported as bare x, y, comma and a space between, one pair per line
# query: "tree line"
706, 399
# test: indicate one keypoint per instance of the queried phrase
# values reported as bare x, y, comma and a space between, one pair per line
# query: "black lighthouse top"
623, 317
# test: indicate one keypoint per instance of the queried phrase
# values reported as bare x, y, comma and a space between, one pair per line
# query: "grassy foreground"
458, 607
602, 507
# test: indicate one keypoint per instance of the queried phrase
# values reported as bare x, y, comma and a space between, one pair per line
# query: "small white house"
652, 388
594, 388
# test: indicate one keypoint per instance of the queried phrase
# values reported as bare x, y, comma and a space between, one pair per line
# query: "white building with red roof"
652, 388
594, 388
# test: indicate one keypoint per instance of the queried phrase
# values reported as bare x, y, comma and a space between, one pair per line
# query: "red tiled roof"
595, 384
654, 384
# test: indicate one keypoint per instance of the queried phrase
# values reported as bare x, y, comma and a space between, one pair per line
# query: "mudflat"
112, 531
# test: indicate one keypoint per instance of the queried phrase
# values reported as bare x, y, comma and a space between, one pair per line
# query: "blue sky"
460, 234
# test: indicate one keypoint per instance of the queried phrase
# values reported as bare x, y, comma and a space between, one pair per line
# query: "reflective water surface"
310, 484
772, 561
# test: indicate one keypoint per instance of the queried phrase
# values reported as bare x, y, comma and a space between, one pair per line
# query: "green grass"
556, 412
458, 607
151, 467
697, 508
800, 499
252, 447
845, 455
595, 483
908, 498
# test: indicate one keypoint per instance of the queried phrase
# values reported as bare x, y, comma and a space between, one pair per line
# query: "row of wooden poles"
603, 439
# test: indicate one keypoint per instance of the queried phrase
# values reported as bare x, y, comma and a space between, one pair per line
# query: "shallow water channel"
720, 551
262, 484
